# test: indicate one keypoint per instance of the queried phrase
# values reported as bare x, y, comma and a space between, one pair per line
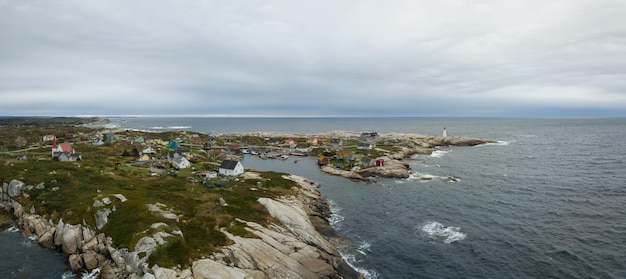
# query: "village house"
178, 153
97, 142
343, 155
291, 143
211, 175
367, 162
368, 136
49, 137
231, 168
144, 158
366, 145
140, 139
272, 142
149, 150
196, 139
181, 162
336, 142
20, 142
173, 144
69, 157
160, 142
323, 160
61, 148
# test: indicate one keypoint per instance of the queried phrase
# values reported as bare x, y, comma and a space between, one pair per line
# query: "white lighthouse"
445, 133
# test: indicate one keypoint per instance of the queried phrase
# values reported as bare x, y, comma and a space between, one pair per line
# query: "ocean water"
548, 200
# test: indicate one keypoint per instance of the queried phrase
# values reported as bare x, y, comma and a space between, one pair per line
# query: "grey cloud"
292, 57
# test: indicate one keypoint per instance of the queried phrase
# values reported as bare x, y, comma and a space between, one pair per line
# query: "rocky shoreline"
394, 166
298, 247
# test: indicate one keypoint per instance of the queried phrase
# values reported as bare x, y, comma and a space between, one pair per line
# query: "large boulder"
72, 238
76, 263
15, 187
47, 239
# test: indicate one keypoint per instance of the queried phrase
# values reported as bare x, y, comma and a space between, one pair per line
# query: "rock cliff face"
295, 248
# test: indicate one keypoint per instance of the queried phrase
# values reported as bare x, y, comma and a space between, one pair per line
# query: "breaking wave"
364, 248
499, 143
439, 153
425, 177
437, 231
352, 260
336, 218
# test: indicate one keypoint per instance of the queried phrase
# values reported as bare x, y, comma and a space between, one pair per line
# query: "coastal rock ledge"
394, 167
298, 247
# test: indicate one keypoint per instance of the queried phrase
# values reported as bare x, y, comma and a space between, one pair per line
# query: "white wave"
364, 248
438, 231
425, 177
92, 275
439, 153
33, 237
336, 218
179, 127
13, 229
157, 128
68, 275
352, 261
499, 143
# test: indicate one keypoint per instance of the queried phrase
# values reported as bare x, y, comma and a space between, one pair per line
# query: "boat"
283, 157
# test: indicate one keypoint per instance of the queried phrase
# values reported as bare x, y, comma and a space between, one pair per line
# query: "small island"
138, 204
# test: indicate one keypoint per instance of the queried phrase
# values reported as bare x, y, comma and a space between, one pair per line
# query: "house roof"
229, 164
66, 147
179, 160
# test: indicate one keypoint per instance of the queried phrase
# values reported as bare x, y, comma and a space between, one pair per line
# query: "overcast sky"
313, 58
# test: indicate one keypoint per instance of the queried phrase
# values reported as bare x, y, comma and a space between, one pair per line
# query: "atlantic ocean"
546, 201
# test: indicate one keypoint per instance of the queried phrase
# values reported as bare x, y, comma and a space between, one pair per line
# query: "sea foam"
437, 231
439, 153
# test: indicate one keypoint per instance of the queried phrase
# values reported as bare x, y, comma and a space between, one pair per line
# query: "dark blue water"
21, 257
547, 201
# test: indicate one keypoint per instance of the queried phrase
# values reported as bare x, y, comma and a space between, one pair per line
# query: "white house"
149, 150
181, 162
69, 157
366, 145
232, 168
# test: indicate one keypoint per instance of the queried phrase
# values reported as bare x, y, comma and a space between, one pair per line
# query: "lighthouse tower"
445, 133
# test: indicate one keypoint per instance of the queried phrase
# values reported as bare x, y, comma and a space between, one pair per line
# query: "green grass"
103, 173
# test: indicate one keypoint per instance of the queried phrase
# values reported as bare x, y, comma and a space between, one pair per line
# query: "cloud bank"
352, 58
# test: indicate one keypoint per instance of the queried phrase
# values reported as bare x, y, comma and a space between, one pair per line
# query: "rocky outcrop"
293, 249
392, 169
345, 173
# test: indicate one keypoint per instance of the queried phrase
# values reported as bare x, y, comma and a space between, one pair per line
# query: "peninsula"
137, 204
